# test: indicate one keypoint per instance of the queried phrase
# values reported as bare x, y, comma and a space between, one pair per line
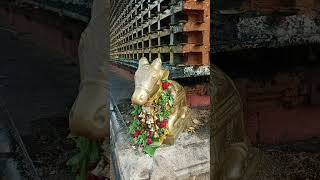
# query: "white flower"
146, 109
150, 119
141, 115
156, 134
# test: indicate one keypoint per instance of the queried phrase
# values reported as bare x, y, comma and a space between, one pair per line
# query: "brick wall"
279, 109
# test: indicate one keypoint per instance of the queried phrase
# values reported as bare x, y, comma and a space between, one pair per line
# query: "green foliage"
136, 110
164, 108
88, 152
141, 139
160, 131
156, 143
135, 125
165, 98
149, 150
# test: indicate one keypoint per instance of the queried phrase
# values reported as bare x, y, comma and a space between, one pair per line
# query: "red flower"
150, 134
149, 141
165, 85
164, 123
136, 133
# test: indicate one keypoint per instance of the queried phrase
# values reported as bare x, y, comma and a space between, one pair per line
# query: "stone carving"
148, 79
89, 113
232, 157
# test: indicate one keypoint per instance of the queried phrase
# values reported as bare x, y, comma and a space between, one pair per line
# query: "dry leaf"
197, 122
190, 129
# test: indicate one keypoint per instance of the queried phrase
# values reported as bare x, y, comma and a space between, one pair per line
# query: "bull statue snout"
147, 80
139, 96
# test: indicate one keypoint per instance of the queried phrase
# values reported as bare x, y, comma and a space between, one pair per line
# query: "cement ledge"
176, 72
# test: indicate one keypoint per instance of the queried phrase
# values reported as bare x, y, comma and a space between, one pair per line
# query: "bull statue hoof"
89, 114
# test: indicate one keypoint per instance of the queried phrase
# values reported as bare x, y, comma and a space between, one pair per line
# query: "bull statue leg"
89, 114
232, 156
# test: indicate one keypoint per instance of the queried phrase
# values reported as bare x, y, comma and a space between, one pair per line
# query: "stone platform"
189, 158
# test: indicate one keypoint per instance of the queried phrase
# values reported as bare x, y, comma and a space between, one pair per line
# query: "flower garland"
149, 125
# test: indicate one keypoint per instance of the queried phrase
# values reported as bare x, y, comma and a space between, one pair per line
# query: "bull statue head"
147, 80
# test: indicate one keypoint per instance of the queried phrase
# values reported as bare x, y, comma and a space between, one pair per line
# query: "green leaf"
136, 110
134, 140
142, 138
134, 126
94, 155
131, 130
149, 150
76, 159
83, 170
156, 143
83, 144
75, 168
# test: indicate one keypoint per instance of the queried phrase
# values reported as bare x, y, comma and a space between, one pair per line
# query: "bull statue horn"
157, 64
143, 61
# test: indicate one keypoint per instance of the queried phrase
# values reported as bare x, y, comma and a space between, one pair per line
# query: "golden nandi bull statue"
148, 79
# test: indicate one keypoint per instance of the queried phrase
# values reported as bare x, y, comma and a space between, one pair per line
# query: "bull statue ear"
165, 74
143, 61
157, 64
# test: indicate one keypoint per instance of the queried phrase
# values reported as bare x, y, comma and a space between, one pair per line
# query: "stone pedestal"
188, 158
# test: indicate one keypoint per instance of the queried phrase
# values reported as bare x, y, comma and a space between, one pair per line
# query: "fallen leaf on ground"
190, 129
196, 121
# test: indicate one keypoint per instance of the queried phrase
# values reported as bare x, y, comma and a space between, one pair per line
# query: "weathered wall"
279, 110
66, 7
238, 31
280, 91
262, 44
243, 24
47, 29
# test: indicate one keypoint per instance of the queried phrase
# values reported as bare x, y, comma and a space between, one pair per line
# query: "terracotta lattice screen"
178, 31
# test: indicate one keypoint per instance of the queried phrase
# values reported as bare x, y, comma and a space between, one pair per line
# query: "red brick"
198, 101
